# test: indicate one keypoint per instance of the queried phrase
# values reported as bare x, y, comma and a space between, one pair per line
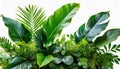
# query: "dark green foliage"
17, 31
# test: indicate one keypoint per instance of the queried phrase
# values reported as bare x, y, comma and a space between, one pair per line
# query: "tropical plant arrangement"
36, 42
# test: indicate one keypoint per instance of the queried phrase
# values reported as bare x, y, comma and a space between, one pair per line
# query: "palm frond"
6, 44
31, 17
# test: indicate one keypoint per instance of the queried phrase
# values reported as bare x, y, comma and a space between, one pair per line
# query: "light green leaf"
47, 60
31, 17
43, 60
108, 37
94, 26
60, 19
17, 31
40, 58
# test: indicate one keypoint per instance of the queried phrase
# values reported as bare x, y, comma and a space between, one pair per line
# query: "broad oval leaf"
68, 60
57, 60
60, 19
108, 37
47, 60
17, 31
43, 60
19, 63
96, 24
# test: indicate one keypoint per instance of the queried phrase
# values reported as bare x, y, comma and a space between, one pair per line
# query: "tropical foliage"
36, 42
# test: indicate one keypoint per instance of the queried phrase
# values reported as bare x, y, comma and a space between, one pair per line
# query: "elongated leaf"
108, 37
40, 38
43, 60
94, 26
19, 63
60, 19
31, 17
17, 31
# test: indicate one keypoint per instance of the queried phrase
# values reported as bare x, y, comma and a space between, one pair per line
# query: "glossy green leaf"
31, 17
43, 60
94, 26
60, 19
108, 37
19, 63
17, 31
68, 60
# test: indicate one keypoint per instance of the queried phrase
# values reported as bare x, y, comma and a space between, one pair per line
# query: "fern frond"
5, 44
31, 17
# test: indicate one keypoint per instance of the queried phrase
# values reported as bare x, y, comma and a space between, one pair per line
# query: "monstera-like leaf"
17, 31
60, 19
94, 26
108, 37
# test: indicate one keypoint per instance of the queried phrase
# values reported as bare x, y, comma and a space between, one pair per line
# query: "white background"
88, 7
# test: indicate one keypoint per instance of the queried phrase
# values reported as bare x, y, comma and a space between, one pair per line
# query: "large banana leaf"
17, 31
108, 37
94, 26
31, 17
19, 63
60, 19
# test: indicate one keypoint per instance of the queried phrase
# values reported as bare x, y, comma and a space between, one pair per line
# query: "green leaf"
114, 46
80, 34
57, 60
105, 48
19, 63
94, 26
40, 38
31, 17
47, 60
40, 58
108, 37
116, 61
6, 44
68, 60
17, 31
60, 19
43, 60
109, 46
